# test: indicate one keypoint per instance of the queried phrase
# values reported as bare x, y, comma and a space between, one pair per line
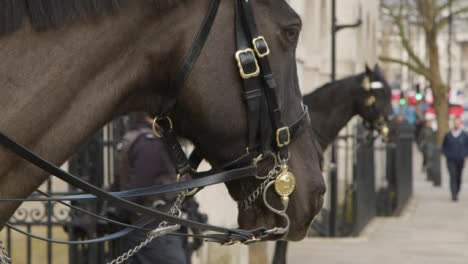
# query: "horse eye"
291, 34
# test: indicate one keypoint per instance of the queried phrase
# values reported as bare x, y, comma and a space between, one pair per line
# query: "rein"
267, 135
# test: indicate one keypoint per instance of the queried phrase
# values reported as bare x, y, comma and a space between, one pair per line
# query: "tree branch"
419, 70
398, 19
445, 5
445, 20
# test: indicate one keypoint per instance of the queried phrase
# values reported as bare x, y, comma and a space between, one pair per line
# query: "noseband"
267, 136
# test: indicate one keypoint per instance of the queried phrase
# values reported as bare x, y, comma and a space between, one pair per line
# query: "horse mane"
49, 14
327, 89
357, 77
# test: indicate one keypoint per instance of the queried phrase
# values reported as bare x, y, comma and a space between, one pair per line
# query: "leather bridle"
379, 123
267, 135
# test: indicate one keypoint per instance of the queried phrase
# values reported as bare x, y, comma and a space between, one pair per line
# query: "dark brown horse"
70, 66
334, 104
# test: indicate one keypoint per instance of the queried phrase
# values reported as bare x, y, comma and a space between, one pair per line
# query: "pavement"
431, 230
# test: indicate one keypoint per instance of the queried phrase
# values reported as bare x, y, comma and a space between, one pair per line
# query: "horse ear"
376, 68
368, 70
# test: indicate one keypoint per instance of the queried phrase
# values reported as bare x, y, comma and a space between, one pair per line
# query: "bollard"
433, 165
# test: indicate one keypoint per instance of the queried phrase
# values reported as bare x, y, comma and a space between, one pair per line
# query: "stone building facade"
355, 47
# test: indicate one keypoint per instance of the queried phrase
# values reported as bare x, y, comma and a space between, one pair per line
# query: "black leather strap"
301, 124
296, 129
141, 225
258, 115
176, 154
202, 180
192, 56
253, 94
249, 20
136, 208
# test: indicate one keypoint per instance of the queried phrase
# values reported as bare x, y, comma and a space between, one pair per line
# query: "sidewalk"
431, 230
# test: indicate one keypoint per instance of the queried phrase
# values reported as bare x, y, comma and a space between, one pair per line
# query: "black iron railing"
359, 196
95, 163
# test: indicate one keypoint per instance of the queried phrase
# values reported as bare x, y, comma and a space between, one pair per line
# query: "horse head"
211, 112
375, 100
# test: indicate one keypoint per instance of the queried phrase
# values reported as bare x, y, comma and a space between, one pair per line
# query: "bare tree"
430, 16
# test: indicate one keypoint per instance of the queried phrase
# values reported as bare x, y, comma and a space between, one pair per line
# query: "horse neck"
331, 108
59, 87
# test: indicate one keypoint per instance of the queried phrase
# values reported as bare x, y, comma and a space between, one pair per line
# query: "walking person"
455, 149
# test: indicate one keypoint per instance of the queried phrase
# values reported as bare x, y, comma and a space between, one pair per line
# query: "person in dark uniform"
143, 162
454, 147
426, 139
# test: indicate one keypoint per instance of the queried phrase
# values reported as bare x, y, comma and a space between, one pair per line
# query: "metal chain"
252, 197
245, 204
4, 259
163, 229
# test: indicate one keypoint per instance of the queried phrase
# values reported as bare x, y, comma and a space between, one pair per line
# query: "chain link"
4, 259
163, 229
252, 197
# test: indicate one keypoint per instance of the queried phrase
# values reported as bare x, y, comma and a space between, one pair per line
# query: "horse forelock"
48, 14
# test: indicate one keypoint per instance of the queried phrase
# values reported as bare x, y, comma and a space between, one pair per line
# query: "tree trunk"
439, 90
441, 110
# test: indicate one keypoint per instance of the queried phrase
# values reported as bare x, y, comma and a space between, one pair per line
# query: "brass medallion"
285, 183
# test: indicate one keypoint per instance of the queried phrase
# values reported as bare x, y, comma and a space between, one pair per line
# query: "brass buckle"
278, 133
252, 240
241, 67
259, 54
187, 192
231, 242
155, 122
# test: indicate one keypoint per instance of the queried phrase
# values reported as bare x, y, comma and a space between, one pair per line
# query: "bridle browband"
267, 135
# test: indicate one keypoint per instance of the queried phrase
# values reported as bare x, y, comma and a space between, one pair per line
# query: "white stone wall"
355, 46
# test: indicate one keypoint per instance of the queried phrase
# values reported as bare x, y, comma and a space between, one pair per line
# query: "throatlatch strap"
176, 153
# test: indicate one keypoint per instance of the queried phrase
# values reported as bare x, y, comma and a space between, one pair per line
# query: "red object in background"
453, 110
395, 95
412, 100
456, 110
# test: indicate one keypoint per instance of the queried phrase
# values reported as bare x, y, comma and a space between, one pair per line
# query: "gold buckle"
252, 240
155, 121
259, 54
278, 132
231, 242
187, 192
241, 68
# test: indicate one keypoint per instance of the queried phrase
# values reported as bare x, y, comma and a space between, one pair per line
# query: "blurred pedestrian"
454, 147
426, 139
144, 162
